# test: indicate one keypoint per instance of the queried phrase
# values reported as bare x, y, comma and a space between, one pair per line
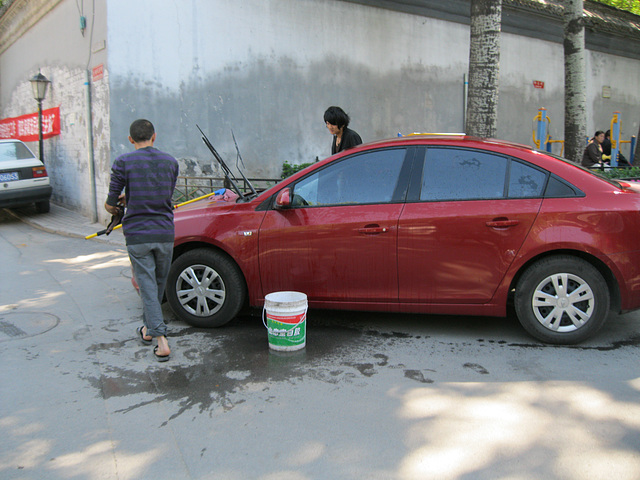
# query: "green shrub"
633, 172
288, 169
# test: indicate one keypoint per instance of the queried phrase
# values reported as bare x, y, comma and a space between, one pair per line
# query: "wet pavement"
376, 396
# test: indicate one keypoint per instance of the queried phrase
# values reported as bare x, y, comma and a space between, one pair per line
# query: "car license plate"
8, 177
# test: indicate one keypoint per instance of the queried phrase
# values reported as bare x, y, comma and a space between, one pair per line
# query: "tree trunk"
484, 67
636, 155
575, 100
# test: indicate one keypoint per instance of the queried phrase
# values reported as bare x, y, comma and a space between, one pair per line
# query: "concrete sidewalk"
63, 221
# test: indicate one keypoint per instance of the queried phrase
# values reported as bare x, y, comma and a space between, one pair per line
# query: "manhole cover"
14, 325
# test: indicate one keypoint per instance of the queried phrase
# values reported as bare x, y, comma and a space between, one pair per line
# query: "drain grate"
15, 325
10, 330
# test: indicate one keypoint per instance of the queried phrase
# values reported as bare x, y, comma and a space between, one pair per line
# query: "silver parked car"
23, 177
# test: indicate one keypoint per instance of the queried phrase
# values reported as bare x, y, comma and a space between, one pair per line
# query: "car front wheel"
562, 300
205, 288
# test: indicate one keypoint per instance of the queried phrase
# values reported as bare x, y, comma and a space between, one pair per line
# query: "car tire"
562, 300
43, 206
205, 288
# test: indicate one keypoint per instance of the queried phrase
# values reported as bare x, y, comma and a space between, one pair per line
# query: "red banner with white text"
25, 127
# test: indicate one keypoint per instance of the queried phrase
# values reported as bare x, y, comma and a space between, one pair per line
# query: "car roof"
434, 138
451, 139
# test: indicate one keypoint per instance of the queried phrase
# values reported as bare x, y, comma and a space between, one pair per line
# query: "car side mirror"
283, 199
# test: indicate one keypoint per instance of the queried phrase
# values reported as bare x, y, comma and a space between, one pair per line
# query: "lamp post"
40, 83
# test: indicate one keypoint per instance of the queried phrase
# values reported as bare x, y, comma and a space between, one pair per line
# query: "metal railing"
193, 187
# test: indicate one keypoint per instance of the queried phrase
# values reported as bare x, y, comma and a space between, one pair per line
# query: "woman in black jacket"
337, 122
592, 156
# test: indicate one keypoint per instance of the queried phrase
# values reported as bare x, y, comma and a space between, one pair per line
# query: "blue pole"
541, 130
615, 139
633, 149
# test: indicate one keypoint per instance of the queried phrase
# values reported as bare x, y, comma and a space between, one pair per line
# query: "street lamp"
40, 83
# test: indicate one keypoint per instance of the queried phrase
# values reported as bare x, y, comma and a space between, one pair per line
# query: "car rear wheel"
562, 300
43, 206
205, 288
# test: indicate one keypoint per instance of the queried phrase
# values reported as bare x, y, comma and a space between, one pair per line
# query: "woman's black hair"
598, 132
336, 116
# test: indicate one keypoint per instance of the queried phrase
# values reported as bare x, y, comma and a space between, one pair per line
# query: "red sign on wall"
25, 127
98, 72
538, 84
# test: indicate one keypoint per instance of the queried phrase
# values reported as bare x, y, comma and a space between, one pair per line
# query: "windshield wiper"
239, 158
225, 169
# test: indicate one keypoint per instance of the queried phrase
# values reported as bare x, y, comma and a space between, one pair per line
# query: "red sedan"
425, 224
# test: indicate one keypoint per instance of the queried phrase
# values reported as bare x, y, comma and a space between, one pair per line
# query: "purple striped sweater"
148, 178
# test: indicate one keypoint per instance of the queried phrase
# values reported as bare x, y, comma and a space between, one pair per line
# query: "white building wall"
622, 77
56, 47
523, 61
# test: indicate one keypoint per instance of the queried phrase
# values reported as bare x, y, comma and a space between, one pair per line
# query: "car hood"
207, 205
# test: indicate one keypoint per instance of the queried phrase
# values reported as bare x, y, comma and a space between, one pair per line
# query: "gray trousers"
151, 263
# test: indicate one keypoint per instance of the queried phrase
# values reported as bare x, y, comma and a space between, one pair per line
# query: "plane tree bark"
575, 101
484, 68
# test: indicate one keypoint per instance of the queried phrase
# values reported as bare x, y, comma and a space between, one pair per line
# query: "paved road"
372, 396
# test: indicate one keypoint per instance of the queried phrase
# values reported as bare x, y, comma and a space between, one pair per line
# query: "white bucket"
286, 320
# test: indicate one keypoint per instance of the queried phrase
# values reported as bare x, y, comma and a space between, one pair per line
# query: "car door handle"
502, 223
373, 230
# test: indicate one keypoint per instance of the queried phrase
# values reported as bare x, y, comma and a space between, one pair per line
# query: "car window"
558, 188
525, 181
365, 178
458, 174
14, 151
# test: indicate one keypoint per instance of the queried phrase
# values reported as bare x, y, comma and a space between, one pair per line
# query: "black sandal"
143, 340
160, 358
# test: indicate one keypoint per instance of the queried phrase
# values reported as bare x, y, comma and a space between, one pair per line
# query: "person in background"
337, 122
606, 151
148, 177
592, 156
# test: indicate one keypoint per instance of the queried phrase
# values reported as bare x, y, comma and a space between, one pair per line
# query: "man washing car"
148, 177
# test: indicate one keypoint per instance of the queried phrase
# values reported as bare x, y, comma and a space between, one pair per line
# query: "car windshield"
14, 151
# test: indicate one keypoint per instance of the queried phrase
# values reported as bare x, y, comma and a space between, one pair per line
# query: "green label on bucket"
286, 331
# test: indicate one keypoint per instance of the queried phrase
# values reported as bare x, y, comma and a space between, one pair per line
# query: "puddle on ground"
215, 367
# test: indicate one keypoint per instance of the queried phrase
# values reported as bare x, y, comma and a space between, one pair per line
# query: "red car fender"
628, 280
221, 231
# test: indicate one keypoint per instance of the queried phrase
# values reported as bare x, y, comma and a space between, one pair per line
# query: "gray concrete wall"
268, 69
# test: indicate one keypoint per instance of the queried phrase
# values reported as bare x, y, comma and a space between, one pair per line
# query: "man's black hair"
141, 130
336, 116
